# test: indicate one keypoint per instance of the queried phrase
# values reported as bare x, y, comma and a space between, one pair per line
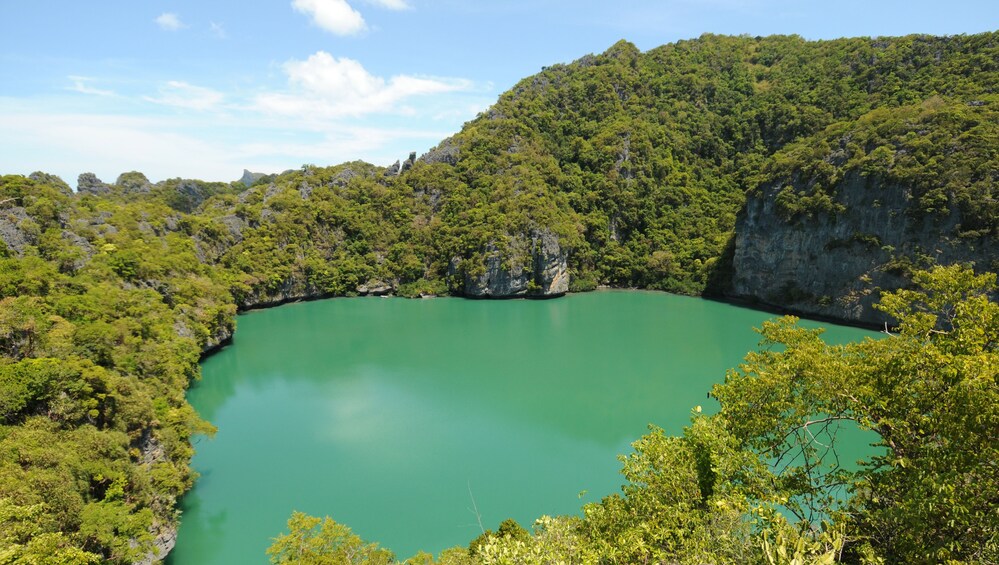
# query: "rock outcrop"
52, 180
836, 265
133, 182
446, 151
164, 533
189, 194
248, 179
15, 229
293, 288
88, 183
533, 266
408, 163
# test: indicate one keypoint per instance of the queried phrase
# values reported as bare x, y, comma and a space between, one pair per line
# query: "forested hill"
801, 174
648, 158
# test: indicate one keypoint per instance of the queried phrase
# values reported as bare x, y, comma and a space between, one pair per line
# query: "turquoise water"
405, 419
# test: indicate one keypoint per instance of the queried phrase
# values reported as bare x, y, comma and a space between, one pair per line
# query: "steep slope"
855, 208
647, 158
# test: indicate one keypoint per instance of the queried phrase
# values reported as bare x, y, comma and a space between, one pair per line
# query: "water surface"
410, 419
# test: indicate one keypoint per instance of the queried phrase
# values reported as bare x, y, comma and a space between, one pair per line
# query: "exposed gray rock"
52, 180
534, 266
191, 193
133, 182
220, 331
446, 152
164, 540
551, 271
235, 226
836, 266
88, 183
87, 250
248, 178
220, 337
292, 289
344, 176
271, 192
14, 229
376, 288
164, 533
209, 251
172, 223
408, 163
392, 170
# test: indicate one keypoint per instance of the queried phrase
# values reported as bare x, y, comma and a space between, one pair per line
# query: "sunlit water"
409, 420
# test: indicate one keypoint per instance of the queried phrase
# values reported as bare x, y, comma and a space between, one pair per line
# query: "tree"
316, 541
930, 393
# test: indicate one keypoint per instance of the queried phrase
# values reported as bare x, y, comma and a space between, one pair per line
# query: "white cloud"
183, 95
391, 4
218, 30
335, 16
69, 143
80, 85
169, 21
108, 145
325, 86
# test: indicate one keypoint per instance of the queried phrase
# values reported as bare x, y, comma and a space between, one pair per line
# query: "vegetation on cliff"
633, 166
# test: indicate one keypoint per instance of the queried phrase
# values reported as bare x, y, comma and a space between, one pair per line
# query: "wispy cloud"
325, 86
183, 95
392, 4
218, 30
169, 21
80, 85
335, 16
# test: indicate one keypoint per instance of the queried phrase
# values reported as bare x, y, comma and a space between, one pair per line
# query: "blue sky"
203, 89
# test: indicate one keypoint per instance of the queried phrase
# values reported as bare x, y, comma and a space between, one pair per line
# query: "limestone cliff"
835, 264
532, 265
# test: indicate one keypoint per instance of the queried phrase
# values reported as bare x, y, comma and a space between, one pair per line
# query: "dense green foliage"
654, 152
102, 322
725, 490
639, 165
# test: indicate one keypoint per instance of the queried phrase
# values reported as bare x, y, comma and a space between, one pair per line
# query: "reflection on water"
391, 415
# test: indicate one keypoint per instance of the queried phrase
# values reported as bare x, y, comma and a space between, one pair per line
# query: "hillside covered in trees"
805, 175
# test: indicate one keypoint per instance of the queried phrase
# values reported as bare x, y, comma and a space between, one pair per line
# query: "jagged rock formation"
15, 229
188, 194
248, 179
446, 152
88, 183
133, 182
408, 163
534, 266
52, 180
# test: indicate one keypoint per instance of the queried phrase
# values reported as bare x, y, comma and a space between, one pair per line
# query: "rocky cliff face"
528, 266
88, 183
836, 265
15, 230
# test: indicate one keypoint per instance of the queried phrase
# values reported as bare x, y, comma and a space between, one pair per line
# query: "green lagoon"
406, 418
